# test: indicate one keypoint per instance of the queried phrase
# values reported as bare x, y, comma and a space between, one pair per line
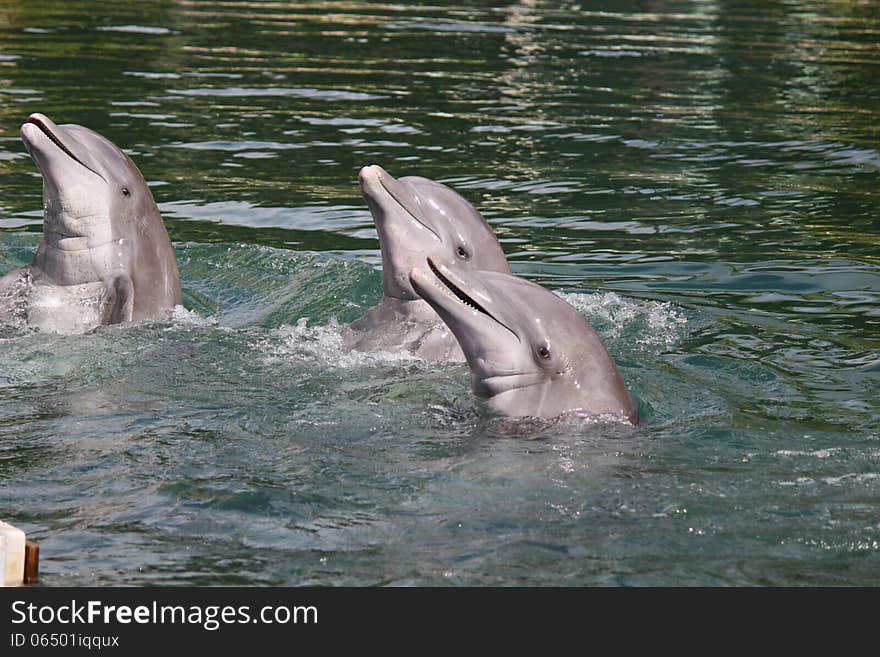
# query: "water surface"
700, 179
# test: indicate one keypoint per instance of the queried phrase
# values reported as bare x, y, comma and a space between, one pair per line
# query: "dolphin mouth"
35, 119
397, 199
463, 297
460, 294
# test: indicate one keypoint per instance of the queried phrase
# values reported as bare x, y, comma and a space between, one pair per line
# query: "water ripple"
699, 179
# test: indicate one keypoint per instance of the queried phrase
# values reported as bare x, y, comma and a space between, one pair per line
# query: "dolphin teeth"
45, 130
455, 292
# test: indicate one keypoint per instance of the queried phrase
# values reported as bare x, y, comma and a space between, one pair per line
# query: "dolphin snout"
42, 122
37, 123
27, 131
32, 124
371, 175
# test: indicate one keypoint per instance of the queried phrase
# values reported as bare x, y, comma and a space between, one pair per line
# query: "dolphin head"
97, 203
530, 353
417, 217
88, 182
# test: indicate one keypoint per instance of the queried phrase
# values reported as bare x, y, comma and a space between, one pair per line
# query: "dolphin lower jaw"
404, 245
478, 333
397, 225
465, 298
451, 309
395, 276
43, 125
62, 176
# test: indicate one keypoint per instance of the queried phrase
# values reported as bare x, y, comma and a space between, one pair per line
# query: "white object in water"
11, 555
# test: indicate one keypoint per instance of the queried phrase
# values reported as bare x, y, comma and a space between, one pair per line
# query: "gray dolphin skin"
530, 352
105, 256
417, 217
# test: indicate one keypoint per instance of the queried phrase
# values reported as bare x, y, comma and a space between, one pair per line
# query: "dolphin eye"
125, 191
543, 352
463, 253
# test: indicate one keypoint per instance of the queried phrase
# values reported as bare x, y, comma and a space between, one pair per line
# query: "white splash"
181, 317
325, 345
819, 453
656, 324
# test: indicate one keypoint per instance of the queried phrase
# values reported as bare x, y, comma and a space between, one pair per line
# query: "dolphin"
417, 217
530, 353
105, 256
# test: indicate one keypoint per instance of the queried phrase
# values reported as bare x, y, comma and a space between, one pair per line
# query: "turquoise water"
700, 179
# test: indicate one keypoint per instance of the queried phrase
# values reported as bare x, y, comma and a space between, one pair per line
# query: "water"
700, 179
